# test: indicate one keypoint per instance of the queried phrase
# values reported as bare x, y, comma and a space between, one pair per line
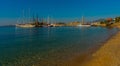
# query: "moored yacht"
83, 24
25, 25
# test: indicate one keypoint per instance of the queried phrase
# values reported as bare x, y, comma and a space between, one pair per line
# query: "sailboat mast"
48, 20
37, 18
29, 19
82, 20
23, 17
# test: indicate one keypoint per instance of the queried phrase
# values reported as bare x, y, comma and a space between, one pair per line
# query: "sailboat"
24, 25
83, 24
48, 24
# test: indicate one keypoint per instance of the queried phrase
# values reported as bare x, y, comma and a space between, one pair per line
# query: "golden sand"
107, 55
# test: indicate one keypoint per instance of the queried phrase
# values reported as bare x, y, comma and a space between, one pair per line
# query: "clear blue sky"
11, 10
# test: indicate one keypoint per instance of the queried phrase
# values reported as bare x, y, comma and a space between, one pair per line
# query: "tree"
117, 19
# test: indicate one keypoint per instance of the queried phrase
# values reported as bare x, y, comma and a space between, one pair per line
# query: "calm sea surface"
47, 46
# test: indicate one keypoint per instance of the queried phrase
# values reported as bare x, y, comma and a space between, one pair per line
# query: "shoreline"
107, 55
74, 60
99, 55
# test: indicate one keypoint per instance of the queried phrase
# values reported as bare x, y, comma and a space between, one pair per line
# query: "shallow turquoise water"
47, 46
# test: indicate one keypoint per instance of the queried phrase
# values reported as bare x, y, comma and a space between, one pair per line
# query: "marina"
59, 33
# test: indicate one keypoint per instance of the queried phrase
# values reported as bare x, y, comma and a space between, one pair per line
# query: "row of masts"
40, 22
34, 21
37, 19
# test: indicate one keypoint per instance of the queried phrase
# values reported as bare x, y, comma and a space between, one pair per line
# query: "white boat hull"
82, 25
25, 25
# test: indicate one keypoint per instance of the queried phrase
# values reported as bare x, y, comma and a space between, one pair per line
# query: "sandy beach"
107, 55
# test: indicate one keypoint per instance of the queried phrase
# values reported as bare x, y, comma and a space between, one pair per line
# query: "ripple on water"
48, 46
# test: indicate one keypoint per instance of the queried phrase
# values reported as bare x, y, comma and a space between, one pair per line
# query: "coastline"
74, 60
107, 55
92, 58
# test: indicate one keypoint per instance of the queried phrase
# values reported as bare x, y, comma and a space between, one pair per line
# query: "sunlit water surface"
48, 46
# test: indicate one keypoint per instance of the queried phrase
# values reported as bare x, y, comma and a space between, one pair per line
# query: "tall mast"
23, 17
37, 18
48, 20
33, 18
29, 18
37, 21
82, 20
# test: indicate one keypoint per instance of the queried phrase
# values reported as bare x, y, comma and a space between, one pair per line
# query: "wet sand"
107, 55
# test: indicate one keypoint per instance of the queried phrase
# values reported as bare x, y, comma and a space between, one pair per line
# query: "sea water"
48, 46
